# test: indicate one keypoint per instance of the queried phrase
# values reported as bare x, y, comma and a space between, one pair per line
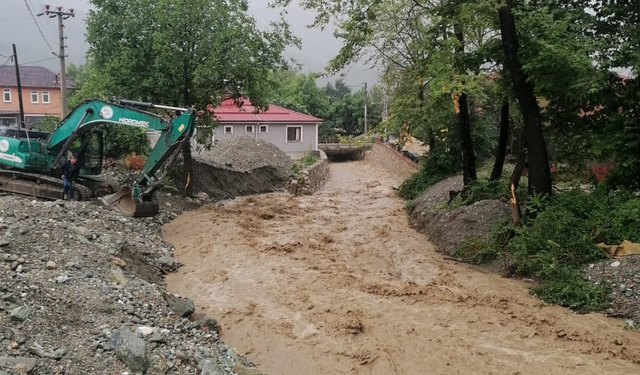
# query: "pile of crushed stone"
239, 166
623, 276
245, 153
82, 292
448, 229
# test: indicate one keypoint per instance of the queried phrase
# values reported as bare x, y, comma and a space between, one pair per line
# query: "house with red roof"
293, 132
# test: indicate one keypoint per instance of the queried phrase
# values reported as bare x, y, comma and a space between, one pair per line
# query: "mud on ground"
338, 283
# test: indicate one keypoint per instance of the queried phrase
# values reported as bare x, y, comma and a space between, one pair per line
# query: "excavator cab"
90, 152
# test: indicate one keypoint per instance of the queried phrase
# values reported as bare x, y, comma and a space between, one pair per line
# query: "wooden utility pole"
365, 109
21, 123
62, 15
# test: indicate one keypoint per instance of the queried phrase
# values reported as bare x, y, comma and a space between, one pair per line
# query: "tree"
181, 52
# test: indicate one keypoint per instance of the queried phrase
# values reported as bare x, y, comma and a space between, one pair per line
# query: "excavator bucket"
123, 203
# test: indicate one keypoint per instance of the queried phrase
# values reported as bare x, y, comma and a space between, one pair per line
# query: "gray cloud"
17, 26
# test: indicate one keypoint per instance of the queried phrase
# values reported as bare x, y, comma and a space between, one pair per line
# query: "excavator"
30, 161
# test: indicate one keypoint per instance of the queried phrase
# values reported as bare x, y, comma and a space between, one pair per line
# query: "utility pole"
365, 109
21, 122
62, 15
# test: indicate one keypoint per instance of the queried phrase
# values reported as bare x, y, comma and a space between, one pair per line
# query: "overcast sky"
17, 26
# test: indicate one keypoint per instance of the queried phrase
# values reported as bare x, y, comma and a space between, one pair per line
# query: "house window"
228, 130
294, 133
264, 129
8, 121
248, 129
34, 96
7, 95
45, 97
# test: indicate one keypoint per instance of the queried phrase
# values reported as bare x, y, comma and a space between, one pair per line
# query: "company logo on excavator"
4, 145
106, 112
132, 122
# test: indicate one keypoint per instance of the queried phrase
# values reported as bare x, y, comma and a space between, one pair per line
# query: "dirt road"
337, 283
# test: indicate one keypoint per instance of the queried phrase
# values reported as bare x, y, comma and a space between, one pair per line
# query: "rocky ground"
82, 292
623, 275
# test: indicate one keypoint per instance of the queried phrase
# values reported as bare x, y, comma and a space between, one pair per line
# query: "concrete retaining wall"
391, 160
311, 179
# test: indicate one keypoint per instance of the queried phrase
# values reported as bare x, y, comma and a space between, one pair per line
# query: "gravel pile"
449, 228
244, 154
82, 292
623, 275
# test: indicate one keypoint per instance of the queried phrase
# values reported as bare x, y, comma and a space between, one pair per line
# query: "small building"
40, 94
293, 132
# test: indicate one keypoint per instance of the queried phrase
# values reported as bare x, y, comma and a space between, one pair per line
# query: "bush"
561, 240
481, 190
309, 160
121, 141
134, 162
433, 169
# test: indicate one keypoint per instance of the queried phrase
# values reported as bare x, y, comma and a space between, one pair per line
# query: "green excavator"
30, 161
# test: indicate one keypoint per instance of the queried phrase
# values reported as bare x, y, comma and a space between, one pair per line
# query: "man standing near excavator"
70, 172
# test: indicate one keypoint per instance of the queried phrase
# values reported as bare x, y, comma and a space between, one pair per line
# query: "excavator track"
37, 185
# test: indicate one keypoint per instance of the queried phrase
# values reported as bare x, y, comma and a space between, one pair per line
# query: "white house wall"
276, 134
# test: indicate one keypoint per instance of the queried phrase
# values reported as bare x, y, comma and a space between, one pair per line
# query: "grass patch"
306, 162
309, 160
481, 190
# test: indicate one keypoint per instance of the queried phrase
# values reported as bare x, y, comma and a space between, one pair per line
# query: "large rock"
117, 278
130, 350
20, 314
209, 367
28, 364
167, 261
179, 305
81, 231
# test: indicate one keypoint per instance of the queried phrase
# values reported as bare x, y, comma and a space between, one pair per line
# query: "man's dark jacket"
70, 171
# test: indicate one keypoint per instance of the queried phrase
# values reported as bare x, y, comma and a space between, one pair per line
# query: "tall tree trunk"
514, 182
539, 173
501, 150
187, 159
469, 173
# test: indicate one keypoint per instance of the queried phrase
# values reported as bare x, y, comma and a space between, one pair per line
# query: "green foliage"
48, 123
309, 160
179, 52
434, 167
121, 141
568, 288
562, 238
478, 252
295, 168
481, 190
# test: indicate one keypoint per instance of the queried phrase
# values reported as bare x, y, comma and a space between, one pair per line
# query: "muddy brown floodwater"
338, 283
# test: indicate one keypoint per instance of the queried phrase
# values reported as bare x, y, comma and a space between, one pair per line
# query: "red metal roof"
228, 111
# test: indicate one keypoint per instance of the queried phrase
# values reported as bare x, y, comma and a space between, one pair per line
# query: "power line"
38, 26
47, 22
8, 57
36, 61
6, 62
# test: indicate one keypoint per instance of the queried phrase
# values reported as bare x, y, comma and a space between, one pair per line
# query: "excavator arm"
137, 200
